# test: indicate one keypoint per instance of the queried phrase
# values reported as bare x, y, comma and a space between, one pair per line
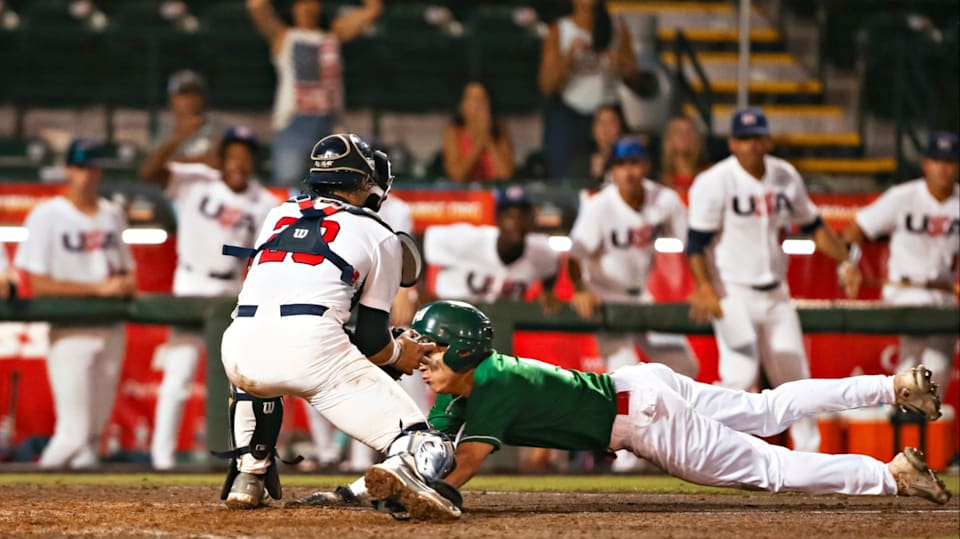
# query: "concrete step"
872, 166
700, 21
770, 73
797, 124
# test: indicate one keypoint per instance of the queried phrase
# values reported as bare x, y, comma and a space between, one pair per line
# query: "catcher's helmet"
340, 162
383, 178
462, 327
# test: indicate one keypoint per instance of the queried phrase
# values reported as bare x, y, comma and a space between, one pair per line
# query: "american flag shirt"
309, 76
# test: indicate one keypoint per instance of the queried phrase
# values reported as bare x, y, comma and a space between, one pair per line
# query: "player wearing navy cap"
74, 247
487, 263
922, 218
739, 208
612, 255
214, 206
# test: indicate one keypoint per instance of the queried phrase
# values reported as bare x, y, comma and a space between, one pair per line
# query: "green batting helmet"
462, 327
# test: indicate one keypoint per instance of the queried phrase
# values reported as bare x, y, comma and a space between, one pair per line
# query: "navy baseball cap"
627, 149
185, 81
84, 153
240, 133
513, 196
943, 146
749, 122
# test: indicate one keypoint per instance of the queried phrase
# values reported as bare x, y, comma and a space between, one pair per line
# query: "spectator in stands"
608, 127
683, 155
192, 135
922, 219
74, 247
217, 206
309, 98
584, 56
477, 146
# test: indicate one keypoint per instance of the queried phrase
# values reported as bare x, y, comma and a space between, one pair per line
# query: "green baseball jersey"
530, 403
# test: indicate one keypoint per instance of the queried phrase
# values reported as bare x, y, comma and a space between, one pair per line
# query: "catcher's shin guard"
268, 414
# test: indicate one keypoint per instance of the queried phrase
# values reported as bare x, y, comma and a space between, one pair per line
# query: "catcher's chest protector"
305, 235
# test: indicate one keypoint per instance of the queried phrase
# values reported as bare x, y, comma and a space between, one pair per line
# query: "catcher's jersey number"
330, 231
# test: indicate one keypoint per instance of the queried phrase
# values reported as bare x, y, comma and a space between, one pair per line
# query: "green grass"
543, 483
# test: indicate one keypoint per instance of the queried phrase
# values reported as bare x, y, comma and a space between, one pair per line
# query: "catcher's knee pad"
432, 451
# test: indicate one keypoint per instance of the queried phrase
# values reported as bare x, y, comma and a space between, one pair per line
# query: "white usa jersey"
749, 217
614, 243
924, 233
397, 214
64, 243
471, 269
374, 251
210, 215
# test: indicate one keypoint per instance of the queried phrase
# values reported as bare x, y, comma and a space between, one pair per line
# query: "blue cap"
627, 149
943, 146
240, 133
513, 196
749, 122
84, 153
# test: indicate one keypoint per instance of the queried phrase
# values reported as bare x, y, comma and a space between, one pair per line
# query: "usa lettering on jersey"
85, 241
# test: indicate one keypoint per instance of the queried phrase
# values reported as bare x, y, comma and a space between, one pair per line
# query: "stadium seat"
504, 53
423, 64
21, 159
235, 58
58, 57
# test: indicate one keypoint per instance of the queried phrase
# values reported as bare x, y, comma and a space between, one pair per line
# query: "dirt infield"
192, 511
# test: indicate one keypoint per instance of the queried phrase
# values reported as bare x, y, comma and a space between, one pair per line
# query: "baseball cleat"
341, 497
247, 492
914, 478
395, 481
916, 391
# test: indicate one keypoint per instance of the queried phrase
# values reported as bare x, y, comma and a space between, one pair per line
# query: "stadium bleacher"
61, 54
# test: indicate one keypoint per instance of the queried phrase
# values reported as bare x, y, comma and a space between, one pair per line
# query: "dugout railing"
213, 316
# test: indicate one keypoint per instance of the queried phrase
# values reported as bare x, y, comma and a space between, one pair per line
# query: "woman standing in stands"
683, 155
584, 56
477, 146
309, 98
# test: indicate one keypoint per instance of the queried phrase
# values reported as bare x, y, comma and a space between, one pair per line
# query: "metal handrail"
702, 101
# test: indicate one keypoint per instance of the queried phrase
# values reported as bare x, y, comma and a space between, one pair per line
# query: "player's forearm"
469, 460
830, 244
698, 268
854, 234
154, 167
576, 275
42, 286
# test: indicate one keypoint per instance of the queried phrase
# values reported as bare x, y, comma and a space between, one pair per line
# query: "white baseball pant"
762, 328
705, 434
83, 366
267, 355
935, 352
179, 358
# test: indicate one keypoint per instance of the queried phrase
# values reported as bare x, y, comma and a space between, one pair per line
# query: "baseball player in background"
215, 206
318, 256
739, 208
74, 247
702, 433
922, 218
7, 287
483, 264
612, 255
